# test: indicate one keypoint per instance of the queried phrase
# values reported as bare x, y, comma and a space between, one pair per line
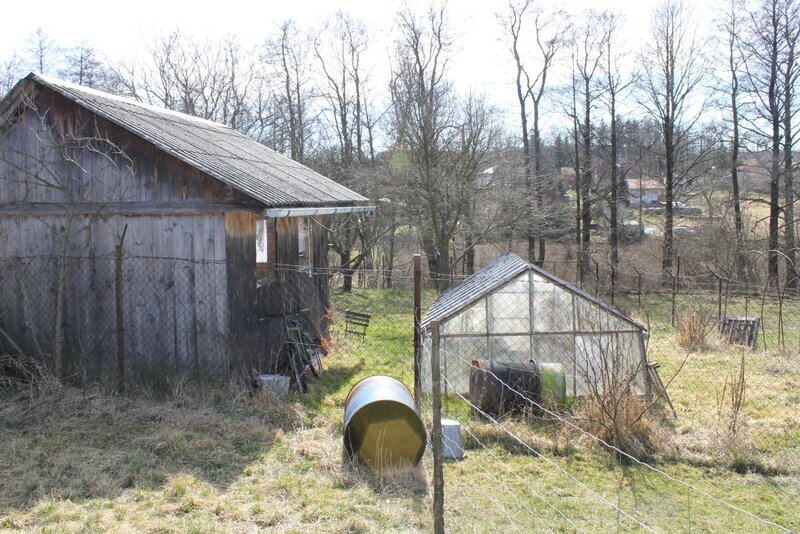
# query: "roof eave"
311, 211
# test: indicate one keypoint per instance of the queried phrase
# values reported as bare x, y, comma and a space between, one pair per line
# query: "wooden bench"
356, 323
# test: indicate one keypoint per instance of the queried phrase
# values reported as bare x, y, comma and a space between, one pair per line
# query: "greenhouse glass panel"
590, 317
456, 355
516, 349
470, 321
552, 308
556, 349
509, 307
594, 355
630, 349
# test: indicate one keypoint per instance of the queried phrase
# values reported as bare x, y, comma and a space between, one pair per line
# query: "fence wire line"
572, 425
507, 490
549, 461
521, 479
480, 488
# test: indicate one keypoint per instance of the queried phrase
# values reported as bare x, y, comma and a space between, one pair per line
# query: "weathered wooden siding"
177, 313
191, 302
246, 344
161, 181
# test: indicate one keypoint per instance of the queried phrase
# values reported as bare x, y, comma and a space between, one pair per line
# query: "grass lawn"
225, 461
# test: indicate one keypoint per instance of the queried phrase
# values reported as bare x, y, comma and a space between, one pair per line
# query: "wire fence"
701, 370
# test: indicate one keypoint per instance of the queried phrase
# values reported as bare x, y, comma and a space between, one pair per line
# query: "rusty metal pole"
674, 290
436, 437
417, 330
119, 305
639, 292
613, 282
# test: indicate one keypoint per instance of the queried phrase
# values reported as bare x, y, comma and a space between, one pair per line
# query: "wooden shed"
221, 237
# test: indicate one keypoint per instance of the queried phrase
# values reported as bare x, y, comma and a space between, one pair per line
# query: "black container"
497, 387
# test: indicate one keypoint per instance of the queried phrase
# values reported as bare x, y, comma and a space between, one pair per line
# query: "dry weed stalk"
693, 328
733, 390
614, 411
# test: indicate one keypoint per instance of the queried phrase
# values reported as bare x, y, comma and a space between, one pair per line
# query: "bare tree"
590, 44
84, 66
200, 77
730, 27
286, 54
674, 69
339, 48
42, 51
446, 141
550, 30
10, 72
763, 56
615, 83
790, 30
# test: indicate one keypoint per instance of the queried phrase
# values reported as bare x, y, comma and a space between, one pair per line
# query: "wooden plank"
145, 208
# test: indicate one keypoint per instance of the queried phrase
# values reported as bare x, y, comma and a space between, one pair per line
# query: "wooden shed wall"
177, 310
190, 300
293, 287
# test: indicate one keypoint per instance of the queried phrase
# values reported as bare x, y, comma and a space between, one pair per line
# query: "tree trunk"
788, 171
469, 254
586, 183
740, 263
347, 270
537, 179
774, 206
668, 249
740, 260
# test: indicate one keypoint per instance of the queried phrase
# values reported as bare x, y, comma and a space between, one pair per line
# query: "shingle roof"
215, 149
494, 276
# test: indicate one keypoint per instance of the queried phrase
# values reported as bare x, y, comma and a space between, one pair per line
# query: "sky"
480, 62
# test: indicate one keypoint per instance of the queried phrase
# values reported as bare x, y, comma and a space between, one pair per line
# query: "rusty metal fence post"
674, 296
417, 330
119, 305
613, 283
436, 435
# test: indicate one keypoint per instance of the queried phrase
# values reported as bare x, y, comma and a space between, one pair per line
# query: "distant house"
568, 176
209, 218
644, 193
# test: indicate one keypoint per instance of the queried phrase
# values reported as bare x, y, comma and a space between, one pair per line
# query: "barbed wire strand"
600, 440
549, 461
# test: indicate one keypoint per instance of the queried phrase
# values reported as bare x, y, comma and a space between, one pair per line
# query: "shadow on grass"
73, 445
410, 482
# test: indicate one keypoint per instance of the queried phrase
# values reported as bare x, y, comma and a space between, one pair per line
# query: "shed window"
262, 241
305, 240
302, 237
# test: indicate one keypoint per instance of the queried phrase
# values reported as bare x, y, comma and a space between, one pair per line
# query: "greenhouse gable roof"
496, 275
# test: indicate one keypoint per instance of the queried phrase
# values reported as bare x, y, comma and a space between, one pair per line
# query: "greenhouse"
513, 311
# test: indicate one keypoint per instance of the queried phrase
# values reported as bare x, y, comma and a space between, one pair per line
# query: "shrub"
693, 328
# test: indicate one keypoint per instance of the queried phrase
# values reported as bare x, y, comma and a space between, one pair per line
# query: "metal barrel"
382, 425
503, 386
553, 384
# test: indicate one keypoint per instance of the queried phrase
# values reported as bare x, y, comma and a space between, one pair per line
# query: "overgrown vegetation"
222, 459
